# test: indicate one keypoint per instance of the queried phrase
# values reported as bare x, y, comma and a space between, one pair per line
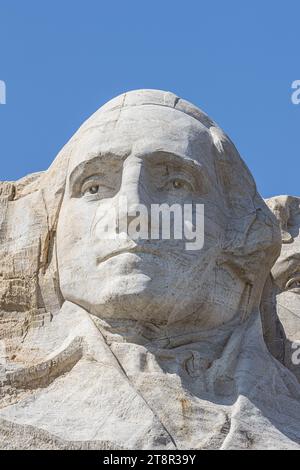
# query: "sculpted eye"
93, 189
96, 187
90, 188
293, 283
178, 184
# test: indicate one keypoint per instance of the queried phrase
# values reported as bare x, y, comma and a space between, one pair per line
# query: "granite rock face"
281, 300
133, 343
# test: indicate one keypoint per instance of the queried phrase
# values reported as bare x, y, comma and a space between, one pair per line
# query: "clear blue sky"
235, 59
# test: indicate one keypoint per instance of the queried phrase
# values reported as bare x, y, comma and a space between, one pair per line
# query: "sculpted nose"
133, 197
133, 187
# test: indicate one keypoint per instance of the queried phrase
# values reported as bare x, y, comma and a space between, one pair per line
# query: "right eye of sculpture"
93, 189
178, 184
90, 188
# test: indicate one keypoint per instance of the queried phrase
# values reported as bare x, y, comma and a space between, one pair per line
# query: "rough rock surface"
281, 299
139, 344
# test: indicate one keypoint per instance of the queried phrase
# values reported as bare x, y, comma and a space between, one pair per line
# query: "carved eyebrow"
95, 165
91, 166
180, 159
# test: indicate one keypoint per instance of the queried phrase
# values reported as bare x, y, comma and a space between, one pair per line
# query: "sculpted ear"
252, 237
252, 227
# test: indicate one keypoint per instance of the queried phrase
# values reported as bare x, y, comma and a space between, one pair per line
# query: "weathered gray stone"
281, 299
133, 344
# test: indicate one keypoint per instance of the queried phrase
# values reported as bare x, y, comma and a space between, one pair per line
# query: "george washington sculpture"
134, 343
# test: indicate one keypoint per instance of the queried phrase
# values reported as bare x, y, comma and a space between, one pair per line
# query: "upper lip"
136, 249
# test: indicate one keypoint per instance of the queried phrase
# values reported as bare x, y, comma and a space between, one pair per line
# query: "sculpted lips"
135, 250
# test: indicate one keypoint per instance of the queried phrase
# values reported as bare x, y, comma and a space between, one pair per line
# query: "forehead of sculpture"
142, 130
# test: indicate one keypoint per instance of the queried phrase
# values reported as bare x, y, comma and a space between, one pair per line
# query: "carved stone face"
150, 155
286, 274
286, 271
